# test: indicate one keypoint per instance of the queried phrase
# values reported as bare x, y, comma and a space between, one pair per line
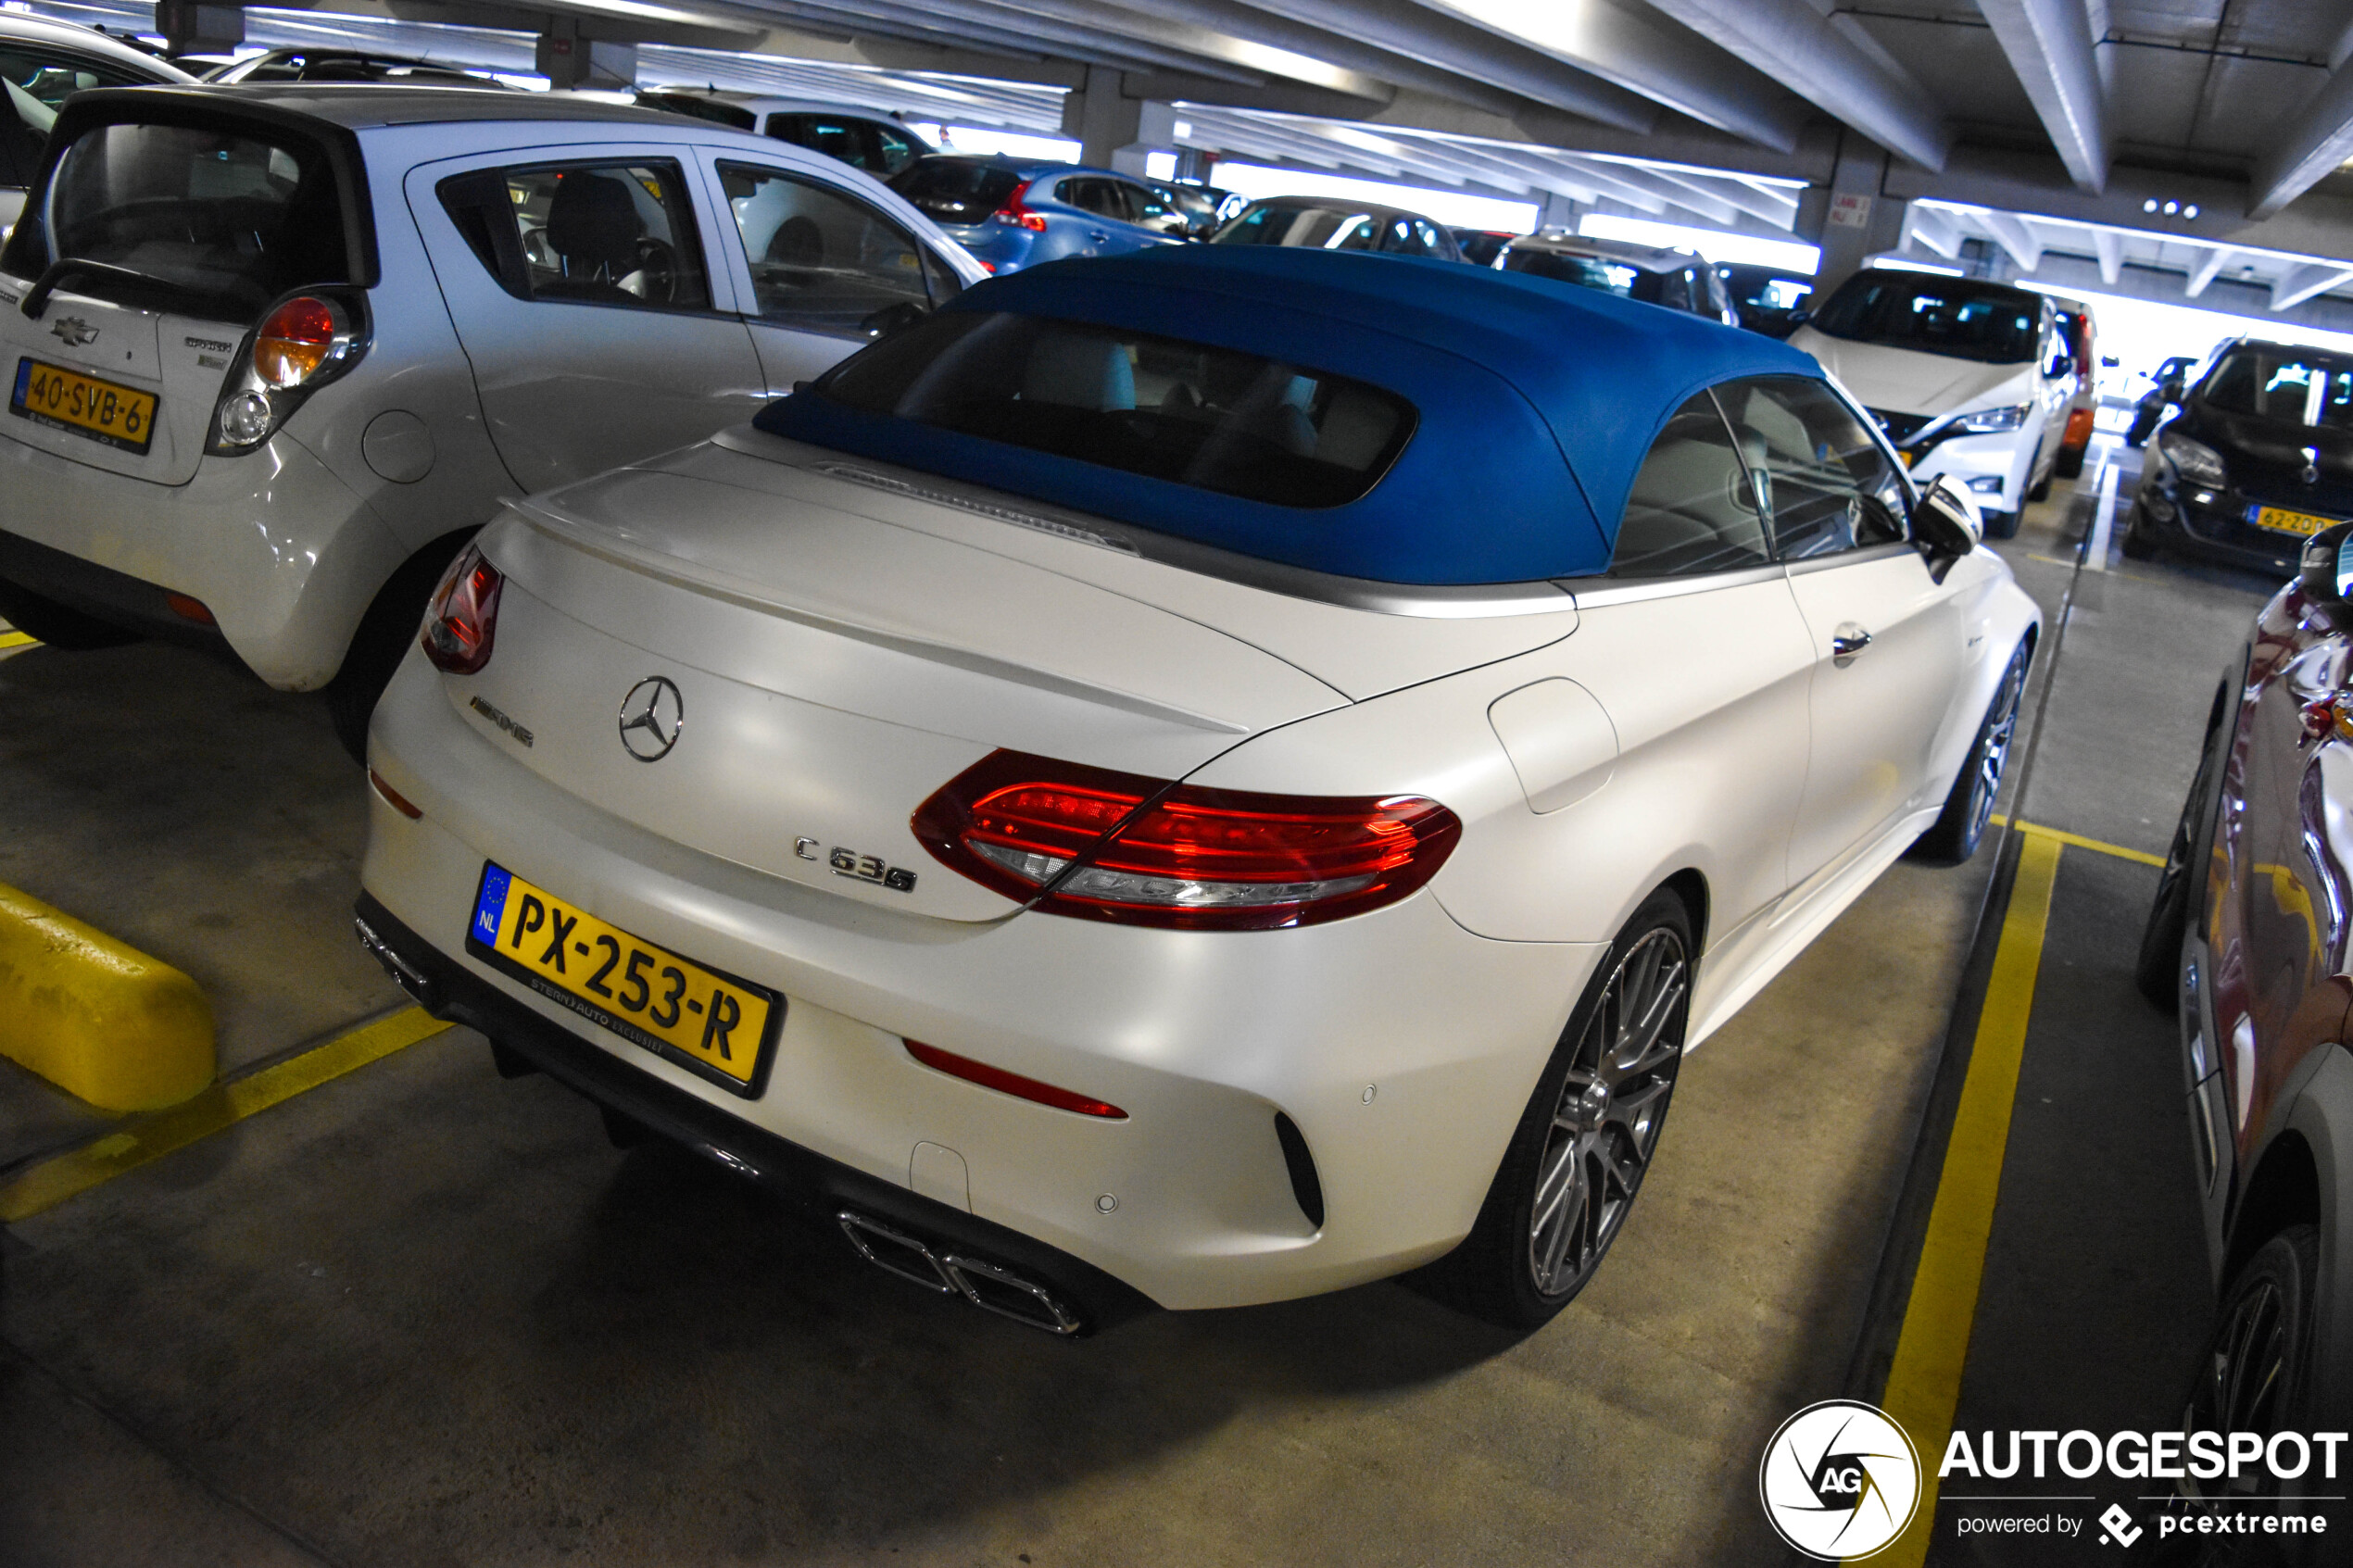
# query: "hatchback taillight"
462, 616
1075, 840
1017, 214
289, 347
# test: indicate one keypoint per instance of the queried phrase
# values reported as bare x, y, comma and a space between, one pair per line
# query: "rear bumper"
2214, 526
1401, 1047
279, 550
821, 1188
109, 596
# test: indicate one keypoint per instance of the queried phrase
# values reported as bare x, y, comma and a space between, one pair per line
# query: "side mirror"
892, 318
2171, 391
2325, 568
1946, 525
2062, 365
2109, 361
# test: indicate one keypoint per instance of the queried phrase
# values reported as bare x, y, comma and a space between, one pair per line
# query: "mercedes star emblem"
74, 330
651, 716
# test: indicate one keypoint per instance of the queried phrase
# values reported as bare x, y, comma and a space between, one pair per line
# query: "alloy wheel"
1995, 755
1605, 1124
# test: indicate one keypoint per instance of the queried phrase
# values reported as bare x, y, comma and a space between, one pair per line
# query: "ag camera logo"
1840, 1480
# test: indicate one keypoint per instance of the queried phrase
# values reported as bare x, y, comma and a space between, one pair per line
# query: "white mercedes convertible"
1196, 778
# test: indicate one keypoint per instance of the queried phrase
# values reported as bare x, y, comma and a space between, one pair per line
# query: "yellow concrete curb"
101, 1021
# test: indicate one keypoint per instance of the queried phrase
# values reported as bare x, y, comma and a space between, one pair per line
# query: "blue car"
1011, 214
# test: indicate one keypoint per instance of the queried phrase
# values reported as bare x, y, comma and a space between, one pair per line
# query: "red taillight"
394, 798
295, 340
1118, 846
1017, 214
1007, 1082
462, 616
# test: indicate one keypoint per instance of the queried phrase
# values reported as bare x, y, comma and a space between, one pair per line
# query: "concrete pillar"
1559, 212
187, 26
1850, 219
567, 61
1113, 131
1196, 165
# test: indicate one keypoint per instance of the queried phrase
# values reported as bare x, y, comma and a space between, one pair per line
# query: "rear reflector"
461, 619
1076, 840
392, 797
188, 608
1007, 1082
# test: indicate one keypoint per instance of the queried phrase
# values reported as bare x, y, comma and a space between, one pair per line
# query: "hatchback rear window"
1620, 277
241, 219
950, 191
1213, 419
1324, 228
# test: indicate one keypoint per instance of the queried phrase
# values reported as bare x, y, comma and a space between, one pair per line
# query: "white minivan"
273, 354
1967, 378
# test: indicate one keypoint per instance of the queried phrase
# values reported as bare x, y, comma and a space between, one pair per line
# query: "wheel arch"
1689, 884
2284, 1190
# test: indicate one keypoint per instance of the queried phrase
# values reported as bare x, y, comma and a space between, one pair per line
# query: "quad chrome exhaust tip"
990, 1286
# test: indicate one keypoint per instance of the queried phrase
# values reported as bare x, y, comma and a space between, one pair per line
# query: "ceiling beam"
1797, 44
2210, 265
2298, 285
2108, 245
1934, 230
2050, 46
2312, 144
2011, 233
1665, 187
1623, 45
1182, 37
1449, 43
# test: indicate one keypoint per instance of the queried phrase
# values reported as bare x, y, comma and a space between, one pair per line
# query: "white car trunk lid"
834, 671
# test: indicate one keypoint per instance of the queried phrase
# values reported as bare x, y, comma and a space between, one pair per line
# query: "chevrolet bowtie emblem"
74, 330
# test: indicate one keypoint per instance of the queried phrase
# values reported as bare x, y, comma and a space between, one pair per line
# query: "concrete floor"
422, 1315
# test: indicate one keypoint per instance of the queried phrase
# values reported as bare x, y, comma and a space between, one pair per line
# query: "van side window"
1693, 509
1825, 483
599, 233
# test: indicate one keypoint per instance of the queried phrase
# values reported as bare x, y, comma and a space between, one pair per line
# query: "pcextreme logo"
1840, 1480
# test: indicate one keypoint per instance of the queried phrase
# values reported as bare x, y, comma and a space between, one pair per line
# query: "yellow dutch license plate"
2280, 521
69, 401
708, 1023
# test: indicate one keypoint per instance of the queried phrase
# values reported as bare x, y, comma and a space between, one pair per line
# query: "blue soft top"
1538, 401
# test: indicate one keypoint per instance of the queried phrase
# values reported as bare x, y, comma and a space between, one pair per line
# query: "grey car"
1679, 280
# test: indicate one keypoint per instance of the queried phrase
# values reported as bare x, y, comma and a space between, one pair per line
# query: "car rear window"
240, 217
1325, 228
1213, 419
1620, 277
950, 191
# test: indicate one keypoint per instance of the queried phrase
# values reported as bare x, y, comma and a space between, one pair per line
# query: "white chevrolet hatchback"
273, 354
1196, 778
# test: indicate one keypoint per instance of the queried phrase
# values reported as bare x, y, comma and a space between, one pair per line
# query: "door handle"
1848, 641
1098, 236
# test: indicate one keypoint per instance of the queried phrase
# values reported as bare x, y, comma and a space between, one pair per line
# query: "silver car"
41, 64
273, 354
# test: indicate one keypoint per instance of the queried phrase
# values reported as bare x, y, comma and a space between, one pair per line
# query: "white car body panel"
897, 635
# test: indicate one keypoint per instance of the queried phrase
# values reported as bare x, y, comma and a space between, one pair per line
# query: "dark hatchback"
2258, 458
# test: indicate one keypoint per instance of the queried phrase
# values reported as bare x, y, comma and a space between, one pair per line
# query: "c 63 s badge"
859, 867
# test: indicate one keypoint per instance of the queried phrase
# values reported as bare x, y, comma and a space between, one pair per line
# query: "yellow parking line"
16, 640
2078, 841
1924, 1384
51, 1181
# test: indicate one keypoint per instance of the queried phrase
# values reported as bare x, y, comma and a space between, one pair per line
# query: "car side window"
1674, 291
617, 233
838, 138
820, 259
1087, 196
1825, 484
1693, 509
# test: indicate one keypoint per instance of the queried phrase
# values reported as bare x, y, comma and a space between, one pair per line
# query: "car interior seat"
1079, 371
593, 229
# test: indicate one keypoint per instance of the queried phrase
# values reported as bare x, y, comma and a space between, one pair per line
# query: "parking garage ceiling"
2179, 149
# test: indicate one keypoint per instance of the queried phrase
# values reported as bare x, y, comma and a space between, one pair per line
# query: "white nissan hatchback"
273, 354
1201, 777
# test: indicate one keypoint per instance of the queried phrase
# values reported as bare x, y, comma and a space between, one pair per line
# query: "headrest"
1079, 371
593, 224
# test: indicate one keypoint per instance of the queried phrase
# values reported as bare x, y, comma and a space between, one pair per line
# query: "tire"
2157, 971
2042, 492
2256, 1374
1961, 827
2139, 541
1577, 1160
61, 626
381, 641
2068, 464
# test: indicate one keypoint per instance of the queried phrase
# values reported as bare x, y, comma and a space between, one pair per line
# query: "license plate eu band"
707, 1021
120, 417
